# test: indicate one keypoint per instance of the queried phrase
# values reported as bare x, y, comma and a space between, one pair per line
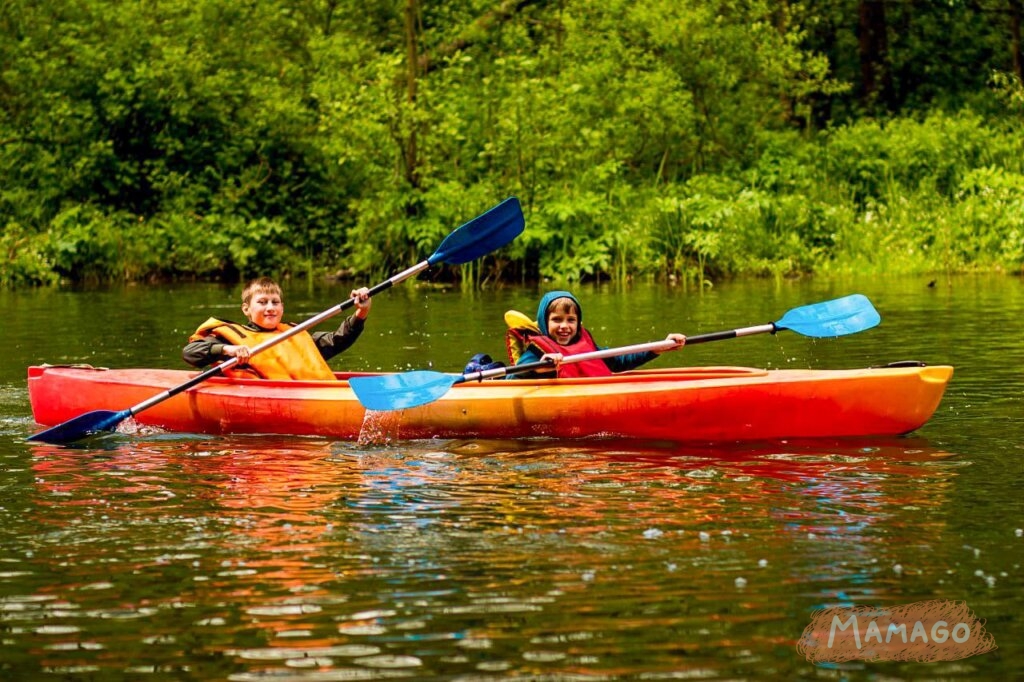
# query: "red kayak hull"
686, 404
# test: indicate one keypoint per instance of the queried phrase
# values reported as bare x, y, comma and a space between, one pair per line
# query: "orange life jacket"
297, 357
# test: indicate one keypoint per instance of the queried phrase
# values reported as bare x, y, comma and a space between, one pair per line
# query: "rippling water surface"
149, 555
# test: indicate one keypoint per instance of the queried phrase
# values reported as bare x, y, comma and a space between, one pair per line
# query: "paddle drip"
379, 427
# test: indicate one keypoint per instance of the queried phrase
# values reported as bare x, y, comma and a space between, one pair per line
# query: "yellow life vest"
297, 357
520, 327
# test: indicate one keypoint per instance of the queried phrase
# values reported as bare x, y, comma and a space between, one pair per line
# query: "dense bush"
213, 139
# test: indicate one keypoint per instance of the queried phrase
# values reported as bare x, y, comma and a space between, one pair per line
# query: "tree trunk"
1016, 10
409, 152
876, 84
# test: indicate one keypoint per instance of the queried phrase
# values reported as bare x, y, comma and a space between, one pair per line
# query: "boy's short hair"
260, 285
564, 305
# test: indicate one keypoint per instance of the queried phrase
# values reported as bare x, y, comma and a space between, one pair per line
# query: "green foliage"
85, 244
989, 220
872, 158
23, 260
938, 55
1010, 91
651, 138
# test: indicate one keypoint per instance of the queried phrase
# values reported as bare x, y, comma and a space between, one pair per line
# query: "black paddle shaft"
769, 328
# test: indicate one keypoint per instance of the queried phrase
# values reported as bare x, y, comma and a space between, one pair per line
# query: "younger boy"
561, 333
301, 356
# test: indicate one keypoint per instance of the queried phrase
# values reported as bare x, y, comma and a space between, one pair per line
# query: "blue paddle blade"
401, 391
485, 233
838, 317
81, 426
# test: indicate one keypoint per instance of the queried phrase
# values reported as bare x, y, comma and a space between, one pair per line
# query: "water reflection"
191, 557
256, 557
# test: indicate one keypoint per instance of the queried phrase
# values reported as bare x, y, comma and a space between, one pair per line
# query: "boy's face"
264, 308
563, 324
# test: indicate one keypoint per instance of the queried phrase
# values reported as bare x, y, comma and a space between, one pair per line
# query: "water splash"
380, 428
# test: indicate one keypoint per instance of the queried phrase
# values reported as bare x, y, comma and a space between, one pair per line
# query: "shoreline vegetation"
215, 140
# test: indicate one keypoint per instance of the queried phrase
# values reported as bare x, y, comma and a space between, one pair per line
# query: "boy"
302, 356
561, 333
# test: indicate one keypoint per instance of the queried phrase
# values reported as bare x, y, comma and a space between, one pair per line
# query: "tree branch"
475, 32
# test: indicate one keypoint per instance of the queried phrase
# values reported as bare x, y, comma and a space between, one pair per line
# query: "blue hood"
542, 309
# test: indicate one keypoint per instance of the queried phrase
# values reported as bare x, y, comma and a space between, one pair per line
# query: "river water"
194, 557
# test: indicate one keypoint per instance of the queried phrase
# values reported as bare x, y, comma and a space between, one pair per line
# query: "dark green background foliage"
697, 140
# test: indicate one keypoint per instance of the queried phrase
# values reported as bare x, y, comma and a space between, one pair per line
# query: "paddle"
485, 233
838, 317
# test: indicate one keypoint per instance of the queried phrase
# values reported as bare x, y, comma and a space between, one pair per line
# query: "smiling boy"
301, 356
560, 332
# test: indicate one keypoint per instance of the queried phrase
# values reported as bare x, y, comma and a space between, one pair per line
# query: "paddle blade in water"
485, 233
81, 426
846, 315
400, 391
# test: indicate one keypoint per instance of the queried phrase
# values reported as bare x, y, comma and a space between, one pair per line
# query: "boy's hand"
363, 302
241, 352
553, 358
678, 338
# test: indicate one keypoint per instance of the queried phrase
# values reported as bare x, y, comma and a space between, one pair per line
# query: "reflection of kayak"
697, 403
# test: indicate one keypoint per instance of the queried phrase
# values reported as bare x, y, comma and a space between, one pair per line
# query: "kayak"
708, 404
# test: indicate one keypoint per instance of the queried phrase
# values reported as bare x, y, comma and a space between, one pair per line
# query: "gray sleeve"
203, 352
340, 340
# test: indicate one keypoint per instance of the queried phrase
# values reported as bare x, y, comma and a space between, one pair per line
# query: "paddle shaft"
769, 328
273, 341
655, 346
846, 315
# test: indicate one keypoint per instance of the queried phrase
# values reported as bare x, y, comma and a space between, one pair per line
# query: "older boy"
302, 356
